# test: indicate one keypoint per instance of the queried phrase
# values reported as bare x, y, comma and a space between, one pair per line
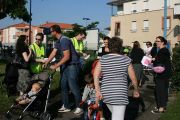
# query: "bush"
176, 69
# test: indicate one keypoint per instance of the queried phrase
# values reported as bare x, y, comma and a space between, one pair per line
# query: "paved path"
146, 92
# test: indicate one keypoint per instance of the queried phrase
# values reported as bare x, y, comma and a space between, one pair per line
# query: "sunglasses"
39, 39
51, 31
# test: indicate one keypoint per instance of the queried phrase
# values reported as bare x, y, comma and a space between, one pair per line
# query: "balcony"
118, 2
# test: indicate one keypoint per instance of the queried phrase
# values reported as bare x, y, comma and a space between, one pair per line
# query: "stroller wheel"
45, 116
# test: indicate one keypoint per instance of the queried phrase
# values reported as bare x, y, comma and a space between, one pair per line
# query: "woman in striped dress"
114, 89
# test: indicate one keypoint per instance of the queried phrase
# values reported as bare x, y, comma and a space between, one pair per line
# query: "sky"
67, 11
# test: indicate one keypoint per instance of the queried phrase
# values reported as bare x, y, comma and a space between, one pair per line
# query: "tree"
15, 9
92, 25
76, 28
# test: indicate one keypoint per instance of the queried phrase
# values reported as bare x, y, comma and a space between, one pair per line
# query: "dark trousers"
161, 92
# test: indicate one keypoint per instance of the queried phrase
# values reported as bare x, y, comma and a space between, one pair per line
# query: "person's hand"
94, 106
84, 54
99, 95
136, 93
153, 59
53, 67
43, 61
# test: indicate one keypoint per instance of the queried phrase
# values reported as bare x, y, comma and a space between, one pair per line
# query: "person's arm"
27, 56
97, 72
65, 58
85, 93
51, 56
134, 80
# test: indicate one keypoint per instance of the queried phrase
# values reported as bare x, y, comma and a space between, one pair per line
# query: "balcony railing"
118, 2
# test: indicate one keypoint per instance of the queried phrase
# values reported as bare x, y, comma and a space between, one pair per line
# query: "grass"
5, 102
173, 112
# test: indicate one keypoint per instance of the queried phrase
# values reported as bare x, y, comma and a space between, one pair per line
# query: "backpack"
11, 78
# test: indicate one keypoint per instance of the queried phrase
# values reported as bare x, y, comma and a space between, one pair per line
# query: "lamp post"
165, 18
86, 19
30, 22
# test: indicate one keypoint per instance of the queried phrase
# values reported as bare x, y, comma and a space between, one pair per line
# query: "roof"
118, 2
62, 25
19, 25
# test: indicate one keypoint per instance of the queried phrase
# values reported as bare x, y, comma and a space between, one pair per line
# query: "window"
145, 6
117, 29
133, 9
133, 26
145, 25
168, 26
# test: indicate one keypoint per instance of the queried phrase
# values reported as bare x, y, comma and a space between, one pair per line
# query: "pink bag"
158, 69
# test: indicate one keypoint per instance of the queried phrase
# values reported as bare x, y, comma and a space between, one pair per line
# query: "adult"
104, 50
154, 50
23, 55
78, 41
38, 53
162, 79
148, 49
114, 90
136, 55
79, 45
69, 64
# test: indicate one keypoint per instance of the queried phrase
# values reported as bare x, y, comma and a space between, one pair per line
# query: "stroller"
35, 109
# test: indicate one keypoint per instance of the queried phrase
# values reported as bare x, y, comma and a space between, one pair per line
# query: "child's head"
36, 87
89, 79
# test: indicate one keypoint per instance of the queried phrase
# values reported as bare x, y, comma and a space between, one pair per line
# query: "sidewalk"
147, 93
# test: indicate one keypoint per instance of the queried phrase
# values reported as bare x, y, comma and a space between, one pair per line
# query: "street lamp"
86, 19
30, 22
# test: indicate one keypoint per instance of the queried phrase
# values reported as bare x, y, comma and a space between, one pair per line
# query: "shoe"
157, 111
156, 108
63, 109
78, 111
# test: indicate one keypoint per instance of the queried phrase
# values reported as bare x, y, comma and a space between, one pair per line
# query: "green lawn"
173, 112
5, 101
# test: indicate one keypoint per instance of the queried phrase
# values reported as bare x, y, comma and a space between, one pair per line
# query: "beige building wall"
155, 19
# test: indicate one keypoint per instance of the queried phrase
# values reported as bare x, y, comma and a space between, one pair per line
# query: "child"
31, 95
89, 97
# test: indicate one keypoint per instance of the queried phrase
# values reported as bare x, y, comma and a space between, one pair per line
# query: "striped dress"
114, 82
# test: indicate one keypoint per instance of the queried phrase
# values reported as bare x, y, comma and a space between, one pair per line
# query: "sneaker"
157, 111
78, 111
63, 109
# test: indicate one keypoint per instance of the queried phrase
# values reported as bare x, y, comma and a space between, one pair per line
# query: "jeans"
69, 79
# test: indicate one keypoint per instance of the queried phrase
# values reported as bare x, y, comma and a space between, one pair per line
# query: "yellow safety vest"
39, 52
79, 46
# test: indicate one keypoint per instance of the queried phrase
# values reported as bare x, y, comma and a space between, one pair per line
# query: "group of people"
109, 78
160, 56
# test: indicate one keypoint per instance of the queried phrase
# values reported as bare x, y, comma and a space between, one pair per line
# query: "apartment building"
143, 20
9, 34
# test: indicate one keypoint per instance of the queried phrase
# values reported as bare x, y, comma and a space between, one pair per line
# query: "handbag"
158, 69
